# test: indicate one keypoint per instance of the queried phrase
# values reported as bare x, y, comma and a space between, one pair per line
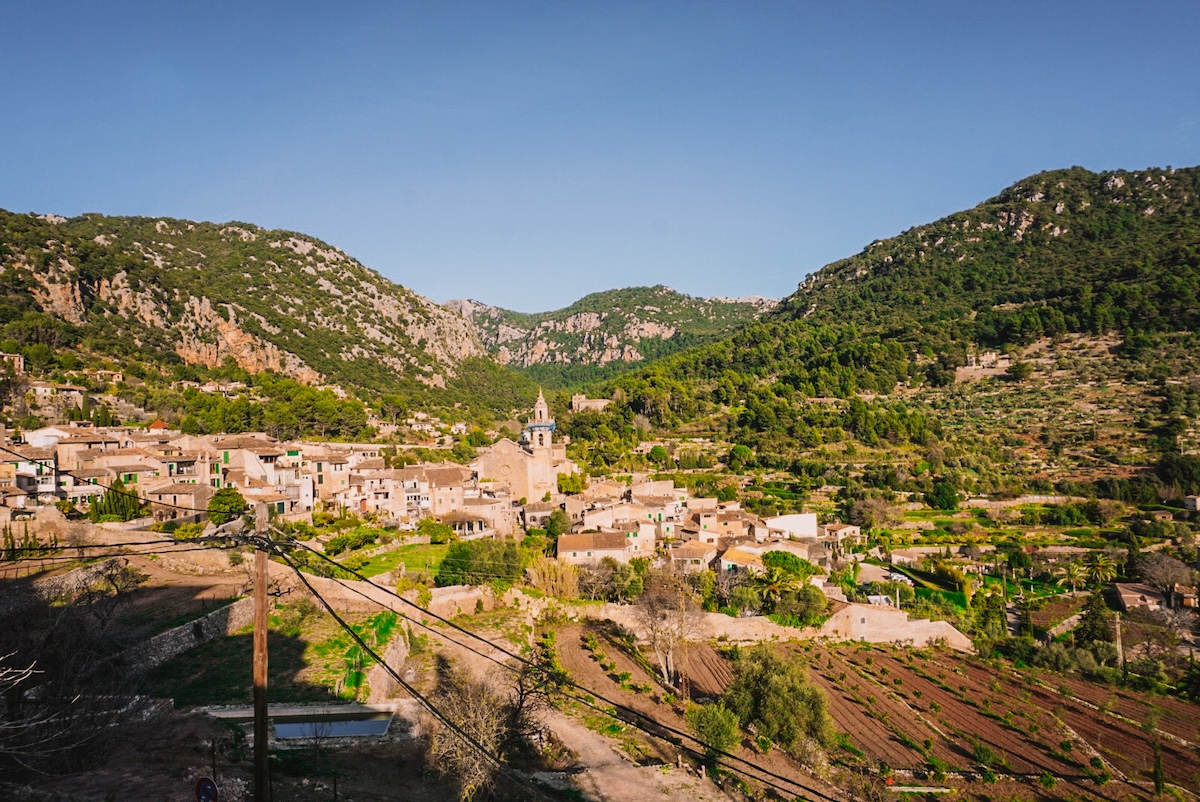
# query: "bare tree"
1180, 622
493, 721
478, 711
109, 589
725, 583
596, 581
668, 614
64, 682
1163, 572
872, 512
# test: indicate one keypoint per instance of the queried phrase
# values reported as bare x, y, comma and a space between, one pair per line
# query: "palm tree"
1100, 567
1072, 574
773, 582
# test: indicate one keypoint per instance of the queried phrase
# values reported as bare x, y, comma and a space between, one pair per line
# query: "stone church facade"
529, 468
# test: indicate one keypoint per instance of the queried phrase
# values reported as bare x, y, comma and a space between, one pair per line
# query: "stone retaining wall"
383, 686
174, 642
865, 622
21, 597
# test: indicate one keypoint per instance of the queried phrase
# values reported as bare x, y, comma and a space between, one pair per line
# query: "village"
511, 487
862, 588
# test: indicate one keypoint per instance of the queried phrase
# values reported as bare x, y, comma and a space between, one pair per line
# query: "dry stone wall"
863, 622
174, 642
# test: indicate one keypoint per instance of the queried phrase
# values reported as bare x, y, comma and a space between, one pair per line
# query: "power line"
128, 544
93, 483
424, 701
627, 711
77, 558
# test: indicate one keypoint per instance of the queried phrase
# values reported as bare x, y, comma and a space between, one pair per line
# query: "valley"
930, 522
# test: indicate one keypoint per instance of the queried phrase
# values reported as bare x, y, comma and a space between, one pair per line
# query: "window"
320, 479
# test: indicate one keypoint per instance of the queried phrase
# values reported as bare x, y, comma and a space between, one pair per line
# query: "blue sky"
526, 153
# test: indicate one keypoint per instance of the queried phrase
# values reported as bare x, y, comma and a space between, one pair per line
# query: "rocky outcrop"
607, 327
268, 300
207, 338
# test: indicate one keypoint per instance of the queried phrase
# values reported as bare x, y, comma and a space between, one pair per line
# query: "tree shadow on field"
221, 672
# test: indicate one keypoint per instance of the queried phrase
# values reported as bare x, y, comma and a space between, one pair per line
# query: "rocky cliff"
203, 293
619, 326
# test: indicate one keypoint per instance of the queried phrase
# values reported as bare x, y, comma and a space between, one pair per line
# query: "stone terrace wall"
878, 624
21, 597
174, 642
863, 622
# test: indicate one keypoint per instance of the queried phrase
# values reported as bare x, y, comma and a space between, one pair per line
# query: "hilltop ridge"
616, 327
183, 292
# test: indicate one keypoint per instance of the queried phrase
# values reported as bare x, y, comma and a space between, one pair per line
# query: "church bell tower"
541, 426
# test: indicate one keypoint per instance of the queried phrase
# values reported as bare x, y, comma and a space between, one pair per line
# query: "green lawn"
417, 558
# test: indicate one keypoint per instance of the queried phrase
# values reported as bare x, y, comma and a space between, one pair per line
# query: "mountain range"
1065, 250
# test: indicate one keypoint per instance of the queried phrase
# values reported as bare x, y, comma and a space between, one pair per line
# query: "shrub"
478, 562
983, 754
773, 693
715, 726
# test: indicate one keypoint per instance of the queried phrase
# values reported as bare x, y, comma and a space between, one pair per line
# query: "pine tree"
116, 501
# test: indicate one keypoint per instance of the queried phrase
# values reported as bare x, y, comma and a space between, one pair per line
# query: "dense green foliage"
117, 504
1063, 251
159, 296
716, 726
225, 505
652, 322
771, 692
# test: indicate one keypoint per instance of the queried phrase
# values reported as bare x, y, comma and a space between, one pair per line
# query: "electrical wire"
93, 483
627, 711
77, 558
421, 698
128, 544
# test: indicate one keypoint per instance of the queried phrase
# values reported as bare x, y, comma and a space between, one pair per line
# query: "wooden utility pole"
262, 781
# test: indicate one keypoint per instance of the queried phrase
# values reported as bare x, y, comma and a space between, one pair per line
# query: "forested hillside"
173, 293
1103, 268
605, 333
1066, 250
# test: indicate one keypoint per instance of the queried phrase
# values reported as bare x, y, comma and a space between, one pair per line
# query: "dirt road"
607, 775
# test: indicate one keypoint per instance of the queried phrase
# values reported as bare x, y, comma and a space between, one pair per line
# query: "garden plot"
580, 661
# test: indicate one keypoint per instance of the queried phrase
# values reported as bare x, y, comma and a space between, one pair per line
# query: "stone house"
1135, 595
692, 556
589, 548
741, 560
166, 501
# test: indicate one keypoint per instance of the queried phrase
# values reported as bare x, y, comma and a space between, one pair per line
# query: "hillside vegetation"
1089, 280
175, 293
605, 333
